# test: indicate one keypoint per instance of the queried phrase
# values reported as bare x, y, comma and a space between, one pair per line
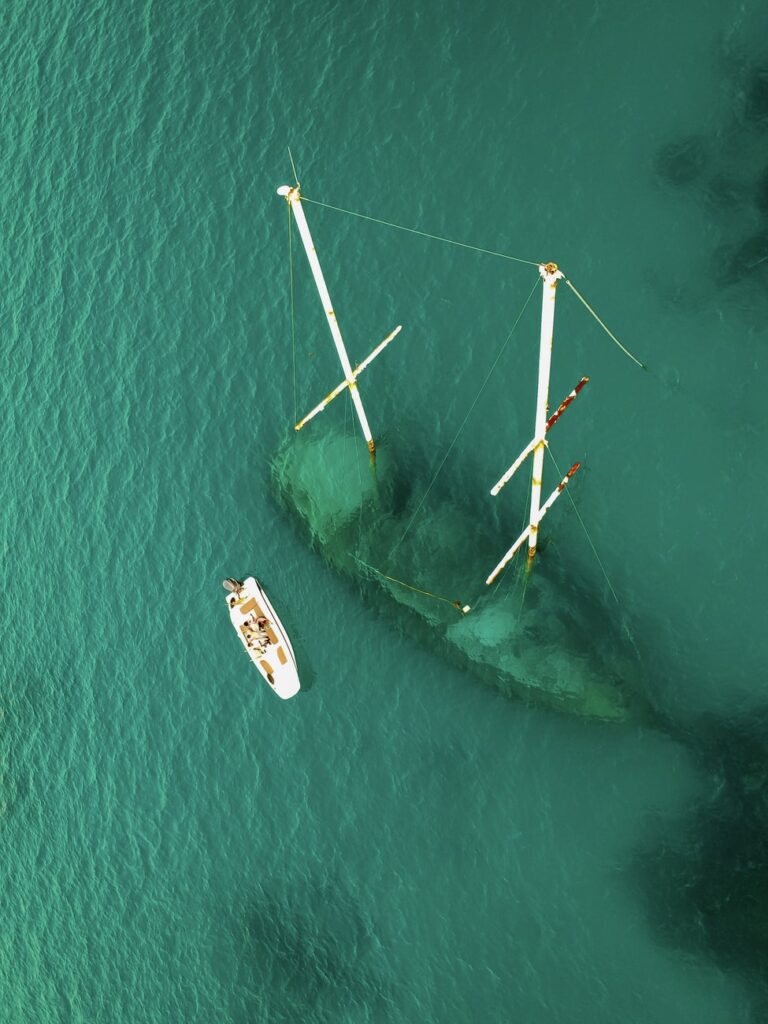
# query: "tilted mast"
293, 197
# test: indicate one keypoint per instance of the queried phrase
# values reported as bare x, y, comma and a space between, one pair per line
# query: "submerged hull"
553, 649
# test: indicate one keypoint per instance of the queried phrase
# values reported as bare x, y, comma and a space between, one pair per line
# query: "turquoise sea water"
400, 843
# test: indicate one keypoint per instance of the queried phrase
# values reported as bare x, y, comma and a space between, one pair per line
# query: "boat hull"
269, 648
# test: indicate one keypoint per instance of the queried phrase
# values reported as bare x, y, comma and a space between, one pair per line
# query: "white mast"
550, 275
293, 197
527, 531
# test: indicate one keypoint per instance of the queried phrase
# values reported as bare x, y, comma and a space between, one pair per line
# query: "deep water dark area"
681, 162
749, 260
756, 100
321, 951
705, 878
725, 168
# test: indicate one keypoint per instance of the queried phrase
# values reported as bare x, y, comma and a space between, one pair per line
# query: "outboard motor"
232, 585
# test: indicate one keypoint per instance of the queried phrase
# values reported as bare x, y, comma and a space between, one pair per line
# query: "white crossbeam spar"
345, 383
527, 531
529, 448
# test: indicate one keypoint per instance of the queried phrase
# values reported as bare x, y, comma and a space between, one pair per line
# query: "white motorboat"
263, 635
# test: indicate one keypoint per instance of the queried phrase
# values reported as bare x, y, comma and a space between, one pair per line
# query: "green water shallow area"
543, 642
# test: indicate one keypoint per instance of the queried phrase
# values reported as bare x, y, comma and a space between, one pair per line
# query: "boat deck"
267, 646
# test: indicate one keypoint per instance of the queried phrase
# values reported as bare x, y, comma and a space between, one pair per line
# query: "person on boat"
256, 634
261, 625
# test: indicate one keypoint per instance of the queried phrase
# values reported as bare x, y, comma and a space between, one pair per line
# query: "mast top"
549, 270
289, 192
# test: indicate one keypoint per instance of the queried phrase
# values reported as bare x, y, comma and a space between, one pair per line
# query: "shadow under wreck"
556, 649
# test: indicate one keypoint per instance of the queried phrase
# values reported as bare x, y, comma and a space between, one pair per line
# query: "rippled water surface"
400, 843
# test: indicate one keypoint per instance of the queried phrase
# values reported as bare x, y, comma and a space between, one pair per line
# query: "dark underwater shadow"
704, 877
745, 262
682, 161
311, 954
724, 172
755, 91
548, 642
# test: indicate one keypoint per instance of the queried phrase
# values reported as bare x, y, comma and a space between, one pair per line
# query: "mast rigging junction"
549, 275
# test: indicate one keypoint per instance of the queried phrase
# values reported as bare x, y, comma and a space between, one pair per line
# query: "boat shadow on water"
545, 642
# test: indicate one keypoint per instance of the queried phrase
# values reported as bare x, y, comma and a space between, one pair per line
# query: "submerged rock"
761, 192
681, 162
756, 98
706, 879
747, 260
316, 950
556, 649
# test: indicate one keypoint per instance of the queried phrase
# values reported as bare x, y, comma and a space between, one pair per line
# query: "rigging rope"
293, 165
526, 572
586, 532
520, 530
489, 252
293, 317
424, 234
503, 576
464, 421
427, 593
610, 333
624, 626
